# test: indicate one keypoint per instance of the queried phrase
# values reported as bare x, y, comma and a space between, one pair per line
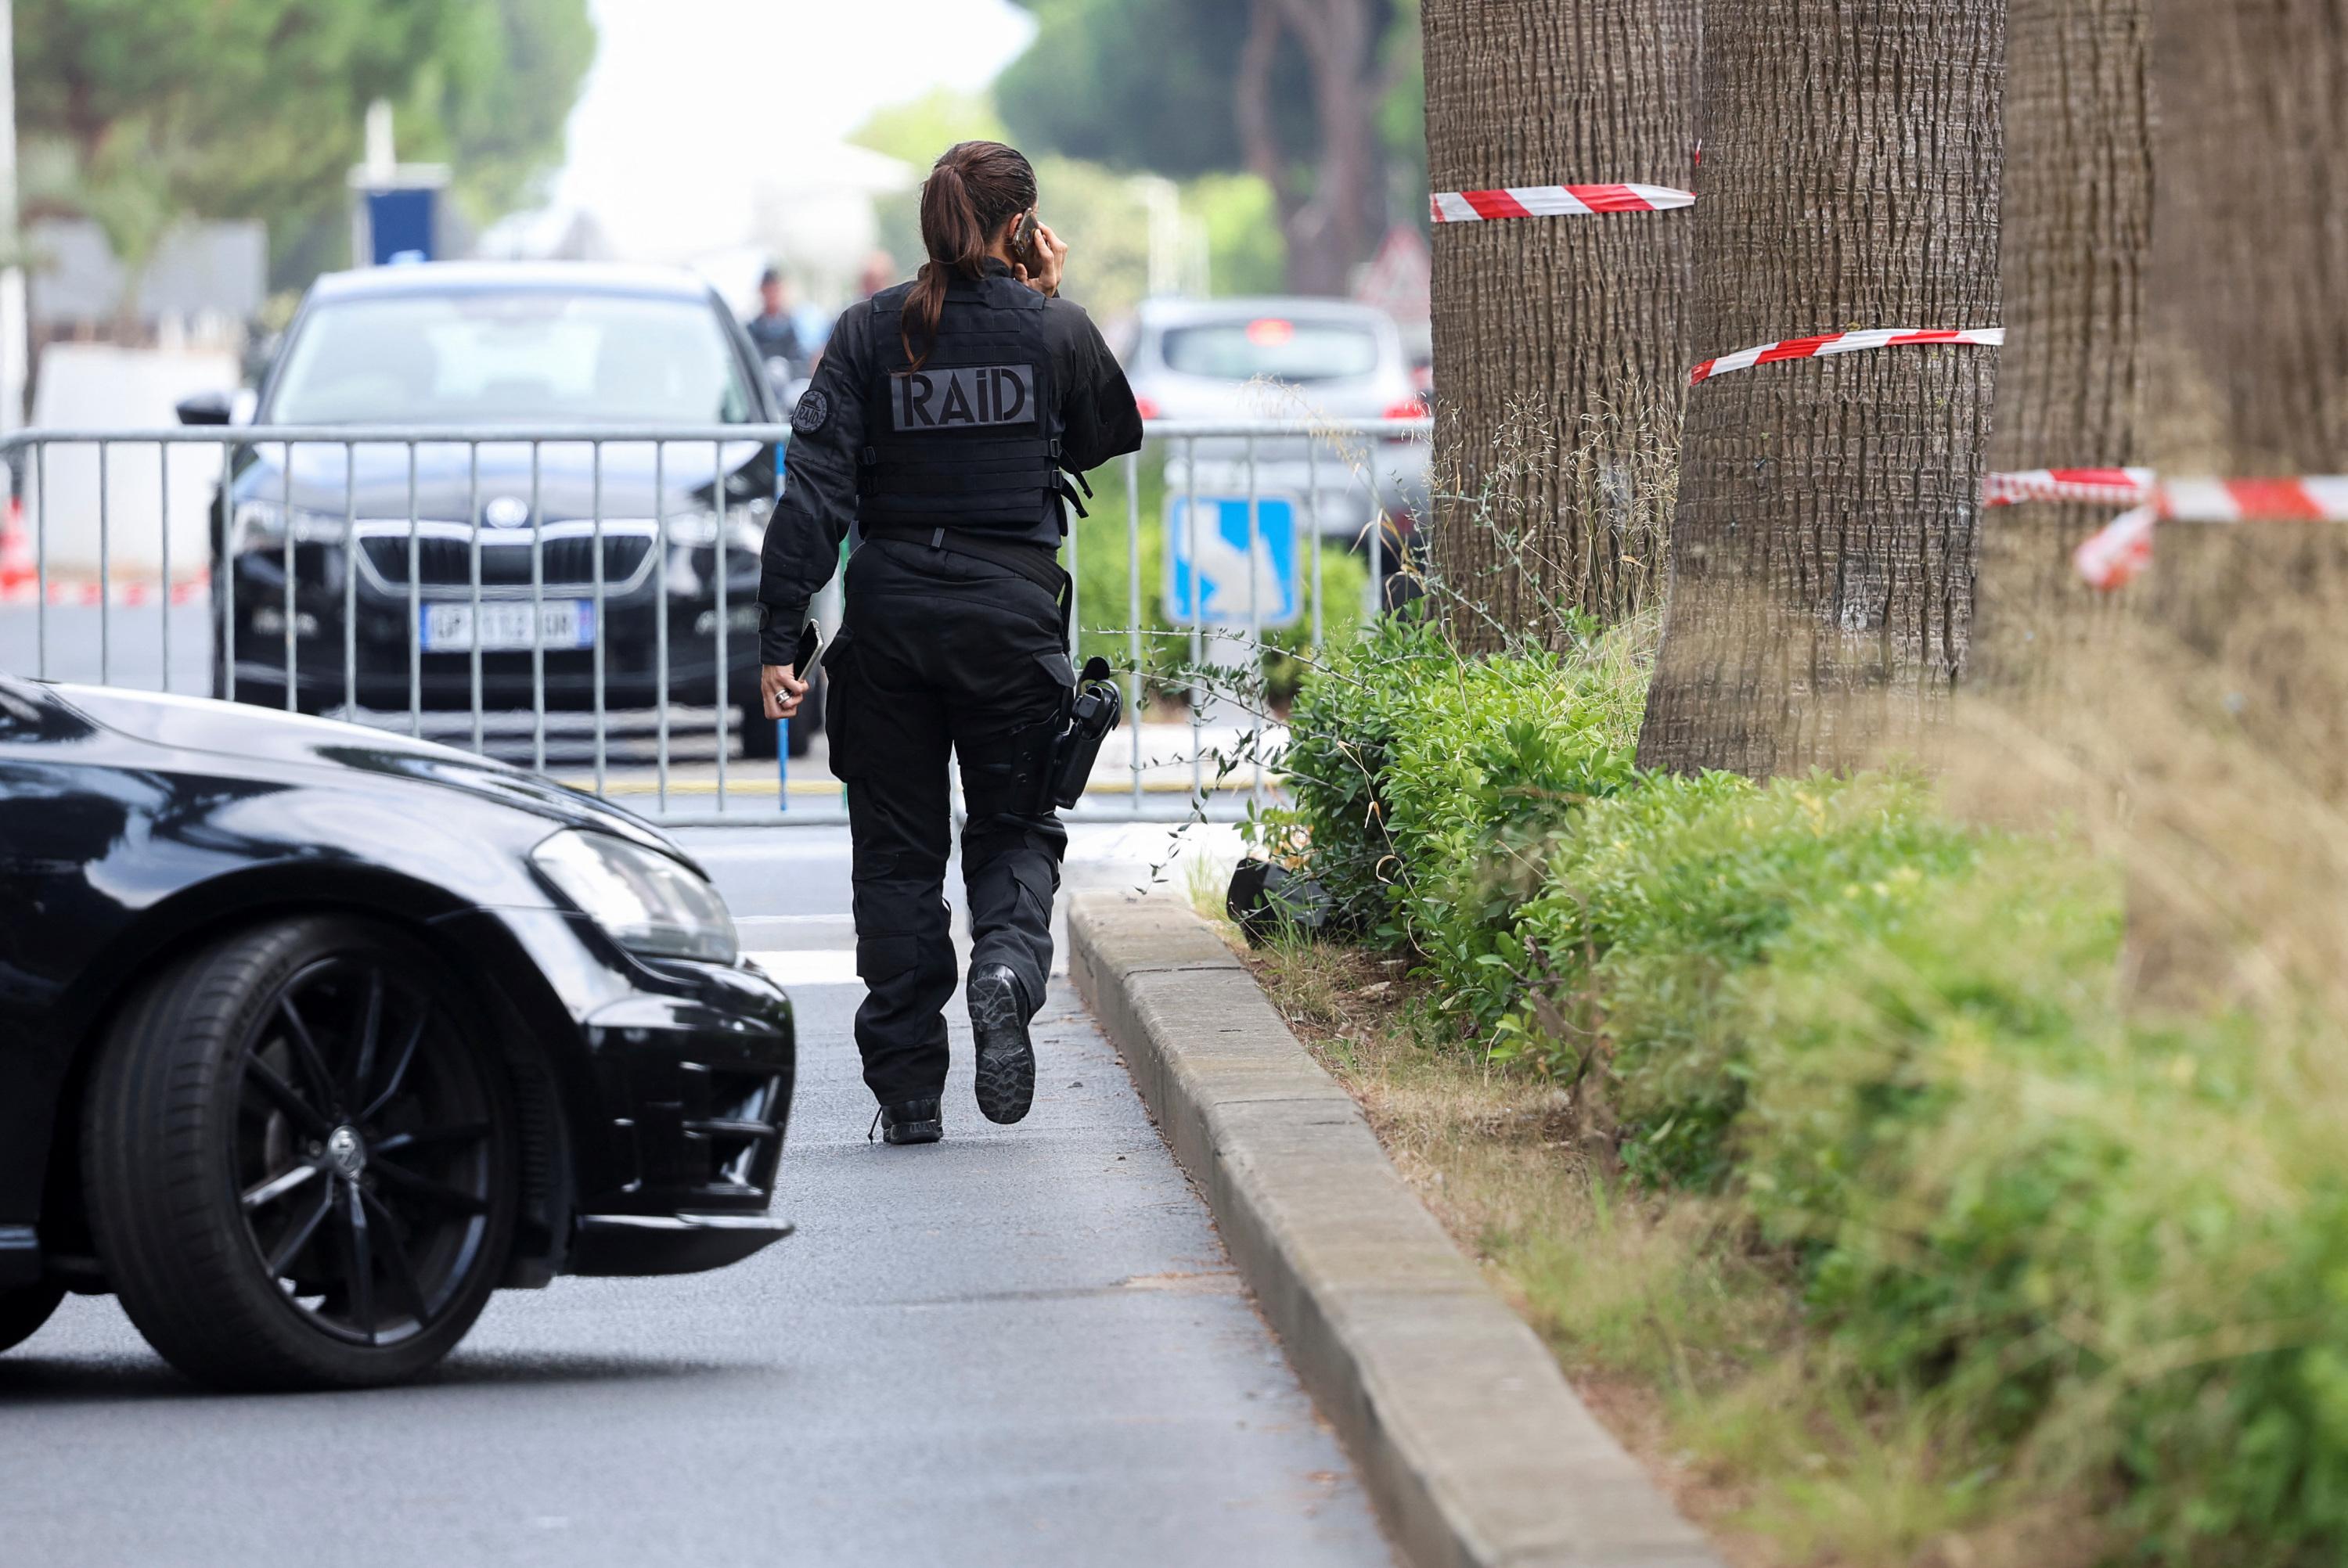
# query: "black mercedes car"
478, 349
312, 1036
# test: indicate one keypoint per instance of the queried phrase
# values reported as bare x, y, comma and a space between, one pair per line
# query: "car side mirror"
206, 409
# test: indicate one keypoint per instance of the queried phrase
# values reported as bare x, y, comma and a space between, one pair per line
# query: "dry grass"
1683, 1339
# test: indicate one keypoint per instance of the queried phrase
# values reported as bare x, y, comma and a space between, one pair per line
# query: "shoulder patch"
812, 412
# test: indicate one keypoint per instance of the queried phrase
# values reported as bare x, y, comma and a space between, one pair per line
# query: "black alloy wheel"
299, 1162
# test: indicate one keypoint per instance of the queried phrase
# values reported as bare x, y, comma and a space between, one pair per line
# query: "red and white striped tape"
2122, 548
1555, 202
87, 592
2094, 487
1829, 344
2314, 500
2116, 552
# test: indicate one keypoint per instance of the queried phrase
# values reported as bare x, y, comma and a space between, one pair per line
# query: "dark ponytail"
972, 192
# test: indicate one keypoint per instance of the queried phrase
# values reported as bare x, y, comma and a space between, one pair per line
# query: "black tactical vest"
972, 439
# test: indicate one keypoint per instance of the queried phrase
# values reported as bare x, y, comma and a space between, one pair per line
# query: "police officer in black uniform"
946, 422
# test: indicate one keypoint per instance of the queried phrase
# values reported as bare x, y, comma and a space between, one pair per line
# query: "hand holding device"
1039, 255
780, 685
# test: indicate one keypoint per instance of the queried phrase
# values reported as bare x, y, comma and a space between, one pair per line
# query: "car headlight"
261, 525
644, 901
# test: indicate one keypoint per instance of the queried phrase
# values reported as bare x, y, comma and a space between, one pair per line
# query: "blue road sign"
403, 225
1225, 567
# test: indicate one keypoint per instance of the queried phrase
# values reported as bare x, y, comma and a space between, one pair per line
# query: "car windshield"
511, 357
1272, 347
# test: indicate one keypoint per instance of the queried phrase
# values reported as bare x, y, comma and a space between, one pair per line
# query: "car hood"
373, 478
264, 744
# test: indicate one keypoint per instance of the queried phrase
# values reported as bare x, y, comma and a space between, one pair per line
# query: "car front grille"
444, 565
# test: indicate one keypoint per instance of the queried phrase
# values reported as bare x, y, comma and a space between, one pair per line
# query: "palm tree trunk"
2248, 312
2250, 260
2235, 776
1823, 547
2076, 233
1561, 346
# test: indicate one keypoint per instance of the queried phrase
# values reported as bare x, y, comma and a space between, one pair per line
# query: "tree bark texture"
2076, 232
2248, 312
1561, 343
2250, 260
1823, 546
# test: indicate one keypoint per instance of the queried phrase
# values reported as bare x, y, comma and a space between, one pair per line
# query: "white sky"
693, 104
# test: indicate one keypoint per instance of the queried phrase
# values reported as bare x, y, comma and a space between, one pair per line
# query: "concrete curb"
1474, 1448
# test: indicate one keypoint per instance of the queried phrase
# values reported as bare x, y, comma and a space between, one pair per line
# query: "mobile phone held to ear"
1022, 239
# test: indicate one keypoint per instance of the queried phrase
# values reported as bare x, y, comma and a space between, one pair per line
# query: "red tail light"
1413, 409
1149, 409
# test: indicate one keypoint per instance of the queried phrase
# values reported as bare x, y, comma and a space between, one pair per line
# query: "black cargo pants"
942, 651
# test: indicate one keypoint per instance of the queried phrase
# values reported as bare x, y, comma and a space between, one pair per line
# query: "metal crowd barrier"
91, 576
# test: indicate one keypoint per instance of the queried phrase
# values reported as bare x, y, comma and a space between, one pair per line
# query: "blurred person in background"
774, 330
944, 422
880, 271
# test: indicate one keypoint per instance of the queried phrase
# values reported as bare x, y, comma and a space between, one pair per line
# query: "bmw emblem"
346, 1152
506, 512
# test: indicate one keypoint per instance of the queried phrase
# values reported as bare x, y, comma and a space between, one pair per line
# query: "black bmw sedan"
312, 1036
468, 568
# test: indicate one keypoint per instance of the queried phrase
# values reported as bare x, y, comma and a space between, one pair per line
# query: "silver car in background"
1277, 358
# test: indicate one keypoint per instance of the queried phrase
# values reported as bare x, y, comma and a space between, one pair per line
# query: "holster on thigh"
1010, 775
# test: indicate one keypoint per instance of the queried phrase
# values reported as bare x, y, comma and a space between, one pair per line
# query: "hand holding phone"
784, 685
1040, 255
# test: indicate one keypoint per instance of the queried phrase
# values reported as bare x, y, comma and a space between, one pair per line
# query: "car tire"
23, 1311
298, 1160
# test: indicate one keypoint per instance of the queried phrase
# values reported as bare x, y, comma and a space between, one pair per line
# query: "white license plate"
506, 626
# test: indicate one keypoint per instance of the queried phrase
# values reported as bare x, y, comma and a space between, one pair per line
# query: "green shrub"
2113, 1248
2106, 1253
1500, 756
1426, 785
1348, 714
1660, 903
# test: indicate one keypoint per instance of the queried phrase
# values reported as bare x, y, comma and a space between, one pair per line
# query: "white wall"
98, 386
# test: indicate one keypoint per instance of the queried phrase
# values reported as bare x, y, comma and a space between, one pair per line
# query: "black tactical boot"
1006, 1061
914, 1121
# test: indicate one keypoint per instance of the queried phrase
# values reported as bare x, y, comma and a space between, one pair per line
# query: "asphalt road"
123, 646
1024, 1345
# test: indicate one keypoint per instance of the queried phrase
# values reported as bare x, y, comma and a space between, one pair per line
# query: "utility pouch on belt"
1099, 705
